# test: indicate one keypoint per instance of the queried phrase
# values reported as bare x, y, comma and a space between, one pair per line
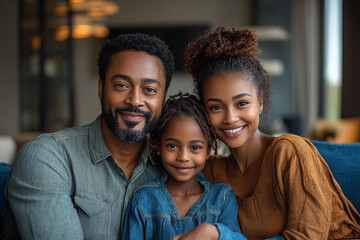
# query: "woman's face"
233, 107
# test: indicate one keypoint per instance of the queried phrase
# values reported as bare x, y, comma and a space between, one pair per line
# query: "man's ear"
100, 89
165, 94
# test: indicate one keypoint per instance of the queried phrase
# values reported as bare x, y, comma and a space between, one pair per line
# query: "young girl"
181, 199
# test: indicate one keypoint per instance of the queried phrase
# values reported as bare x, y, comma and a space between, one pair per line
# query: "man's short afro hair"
138, 42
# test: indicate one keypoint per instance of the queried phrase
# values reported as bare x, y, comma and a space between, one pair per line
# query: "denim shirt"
67, 185
152, 213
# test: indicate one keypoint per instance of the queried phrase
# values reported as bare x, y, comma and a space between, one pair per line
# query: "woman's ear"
261, 105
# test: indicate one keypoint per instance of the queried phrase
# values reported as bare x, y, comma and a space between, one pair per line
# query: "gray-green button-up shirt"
67, 185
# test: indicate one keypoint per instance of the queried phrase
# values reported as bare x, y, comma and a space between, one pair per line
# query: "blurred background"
48, 71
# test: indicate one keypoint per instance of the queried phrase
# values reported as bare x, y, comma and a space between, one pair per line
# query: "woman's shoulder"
291, 143
289, 149
215, 168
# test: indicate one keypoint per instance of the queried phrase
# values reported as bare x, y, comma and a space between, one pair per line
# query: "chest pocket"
95, 216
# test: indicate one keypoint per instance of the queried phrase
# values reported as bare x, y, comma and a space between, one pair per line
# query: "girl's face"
183, 149
233, 107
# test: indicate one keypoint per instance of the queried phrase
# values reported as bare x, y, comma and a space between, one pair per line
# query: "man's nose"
135, 98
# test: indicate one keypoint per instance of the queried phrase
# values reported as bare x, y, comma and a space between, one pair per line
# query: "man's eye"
150, 90
120, 85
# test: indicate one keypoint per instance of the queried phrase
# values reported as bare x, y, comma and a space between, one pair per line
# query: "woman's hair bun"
221, 42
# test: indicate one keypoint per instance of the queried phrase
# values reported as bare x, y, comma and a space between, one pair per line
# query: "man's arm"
39, 189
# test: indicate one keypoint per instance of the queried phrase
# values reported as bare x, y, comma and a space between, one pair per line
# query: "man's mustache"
132, 109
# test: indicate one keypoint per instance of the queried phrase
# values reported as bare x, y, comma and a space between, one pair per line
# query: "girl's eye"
173, 146
196, 148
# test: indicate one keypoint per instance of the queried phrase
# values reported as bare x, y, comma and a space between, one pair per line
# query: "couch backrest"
344, 163
4, 173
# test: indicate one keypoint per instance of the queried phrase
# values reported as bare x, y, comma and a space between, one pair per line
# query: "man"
76, 183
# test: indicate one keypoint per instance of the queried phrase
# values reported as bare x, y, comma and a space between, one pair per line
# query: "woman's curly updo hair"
228, 51
184, 105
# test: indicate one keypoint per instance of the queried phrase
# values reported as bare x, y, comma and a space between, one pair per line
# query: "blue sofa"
343, 160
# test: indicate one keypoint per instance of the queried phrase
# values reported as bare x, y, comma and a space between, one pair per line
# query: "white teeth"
233, 130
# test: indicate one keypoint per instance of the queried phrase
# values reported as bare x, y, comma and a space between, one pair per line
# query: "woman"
282, 184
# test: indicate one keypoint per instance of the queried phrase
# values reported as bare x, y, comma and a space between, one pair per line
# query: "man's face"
132, 95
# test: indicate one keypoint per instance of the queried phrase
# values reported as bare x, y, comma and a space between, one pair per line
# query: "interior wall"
351, 49
9, 67
229, 13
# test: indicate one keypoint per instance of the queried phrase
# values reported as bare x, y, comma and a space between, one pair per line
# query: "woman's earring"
260, 113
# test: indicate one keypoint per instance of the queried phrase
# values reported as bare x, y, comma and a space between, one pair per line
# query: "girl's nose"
183, 156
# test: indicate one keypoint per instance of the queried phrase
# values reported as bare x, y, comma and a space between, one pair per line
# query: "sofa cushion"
344, 163
4, 173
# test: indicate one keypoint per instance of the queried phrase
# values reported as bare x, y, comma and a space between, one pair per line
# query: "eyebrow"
233, 98
129, 79
193, 141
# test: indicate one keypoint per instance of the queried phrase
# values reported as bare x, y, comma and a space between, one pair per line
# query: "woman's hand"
203, 231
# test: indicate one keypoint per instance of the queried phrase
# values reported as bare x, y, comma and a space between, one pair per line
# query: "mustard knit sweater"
296, 195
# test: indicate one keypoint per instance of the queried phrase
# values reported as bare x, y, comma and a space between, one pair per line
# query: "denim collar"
99, 151
174, 213
200, 177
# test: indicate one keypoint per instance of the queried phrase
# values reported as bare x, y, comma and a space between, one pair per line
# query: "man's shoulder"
52, 144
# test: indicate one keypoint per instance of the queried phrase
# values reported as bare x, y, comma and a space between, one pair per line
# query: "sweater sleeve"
307, 195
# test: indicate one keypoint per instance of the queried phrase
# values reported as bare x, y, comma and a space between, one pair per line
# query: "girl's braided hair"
184, 105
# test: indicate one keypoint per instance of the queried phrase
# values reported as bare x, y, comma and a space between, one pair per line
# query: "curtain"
306, 60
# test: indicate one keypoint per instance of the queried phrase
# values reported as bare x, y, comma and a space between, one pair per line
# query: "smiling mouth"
132, 116
235, 130
183, 169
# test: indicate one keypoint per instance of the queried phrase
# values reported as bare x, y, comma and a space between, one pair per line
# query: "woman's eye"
215, 108
242, 103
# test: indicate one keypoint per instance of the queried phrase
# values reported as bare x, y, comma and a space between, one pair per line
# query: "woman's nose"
231, 116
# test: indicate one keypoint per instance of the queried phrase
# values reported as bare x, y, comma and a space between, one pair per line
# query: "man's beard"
129, 135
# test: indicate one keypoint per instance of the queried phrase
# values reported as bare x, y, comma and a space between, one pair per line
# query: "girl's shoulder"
150, 188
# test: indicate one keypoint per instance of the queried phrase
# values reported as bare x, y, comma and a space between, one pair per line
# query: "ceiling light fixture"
88, 18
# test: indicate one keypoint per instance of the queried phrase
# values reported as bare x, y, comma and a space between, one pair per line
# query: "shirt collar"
99, 151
